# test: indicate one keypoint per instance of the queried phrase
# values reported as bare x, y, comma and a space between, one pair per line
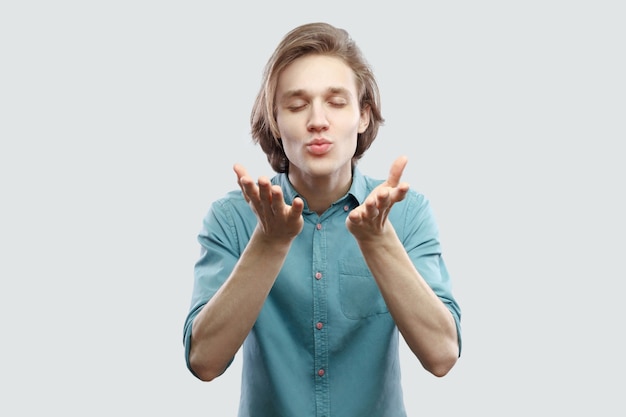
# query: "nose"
317, 118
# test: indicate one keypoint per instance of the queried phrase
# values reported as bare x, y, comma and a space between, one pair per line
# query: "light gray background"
120, 122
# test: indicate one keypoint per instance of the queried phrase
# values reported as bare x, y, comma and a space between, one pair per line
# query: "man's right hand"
277, 220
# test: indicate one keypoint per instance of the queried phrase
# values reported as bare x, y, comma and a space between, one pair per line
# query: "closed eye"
296, 107
338, 102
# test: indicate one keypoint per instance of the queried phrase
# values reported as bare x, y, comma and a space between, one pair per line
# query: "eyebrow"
301, 92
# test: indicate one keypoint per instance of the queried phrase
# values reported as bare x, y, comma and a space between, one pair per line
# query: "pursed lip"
318, 146
318, 141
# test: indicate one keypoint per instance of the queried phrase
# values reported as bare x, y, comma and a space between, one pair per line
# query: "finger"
398, 193
383, 198
371, 208
355, 216
397, 168
265, 190
251, 191
277, 200
243, 180
240, 171
297, 206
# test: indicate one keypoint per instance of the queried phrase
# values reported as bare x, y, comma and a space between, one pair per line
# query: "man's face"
318, 116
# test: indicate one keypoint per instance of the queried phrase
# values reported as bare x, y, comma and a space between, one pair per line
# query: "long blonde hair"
312, 38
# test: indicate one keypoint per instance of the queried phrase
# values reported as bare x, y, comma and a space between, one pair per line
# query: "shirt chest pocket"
358, 292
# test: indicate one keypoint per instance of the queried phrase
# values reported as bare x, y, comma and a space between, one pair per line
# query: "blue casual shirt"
324, 343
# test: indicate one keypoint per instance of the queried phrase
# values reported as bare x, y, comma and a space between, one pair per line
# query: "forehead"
314, 73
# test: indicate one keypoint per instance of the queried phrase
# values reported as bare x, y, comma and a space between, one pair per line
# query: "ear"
365, 119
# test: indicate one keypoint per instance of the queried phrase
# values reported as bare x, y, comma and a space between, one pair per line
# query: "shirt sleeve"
221, 239
420, 236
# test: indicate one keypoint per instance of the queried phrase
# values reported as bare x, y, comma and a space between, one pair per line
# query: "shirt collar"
358, 189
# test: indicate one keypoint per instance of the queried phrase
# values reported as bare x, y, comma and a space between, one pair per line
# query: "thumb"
396, 170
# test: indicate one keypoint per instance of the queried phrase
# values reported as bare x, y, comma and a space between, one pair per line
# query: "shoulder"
228, 223
231, 208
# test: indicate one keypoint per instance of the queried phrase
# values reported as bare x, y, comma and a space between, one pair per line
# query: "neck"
321, 192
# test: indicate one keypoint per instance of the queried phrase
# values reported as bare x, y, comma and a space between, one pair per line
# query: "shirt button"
318, 275
319, 226
346, 208
320, 372
319, 325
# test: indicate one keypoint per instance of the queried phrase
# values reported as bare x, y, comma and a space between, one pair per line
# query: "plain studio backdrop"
120, 122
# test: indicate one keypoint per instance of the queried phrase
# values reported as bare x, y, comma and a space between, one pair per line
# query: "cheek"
285, 125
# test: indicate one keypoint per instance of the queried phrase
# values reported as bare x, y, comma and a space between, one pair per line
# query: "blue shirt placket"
320, 317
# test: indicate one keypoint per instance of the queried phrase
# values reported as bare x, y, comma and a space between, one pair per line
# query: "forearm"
422, 318
222, 325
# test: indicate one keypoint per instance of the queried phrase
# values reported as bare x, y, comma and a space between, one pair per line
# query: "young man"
316, 271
